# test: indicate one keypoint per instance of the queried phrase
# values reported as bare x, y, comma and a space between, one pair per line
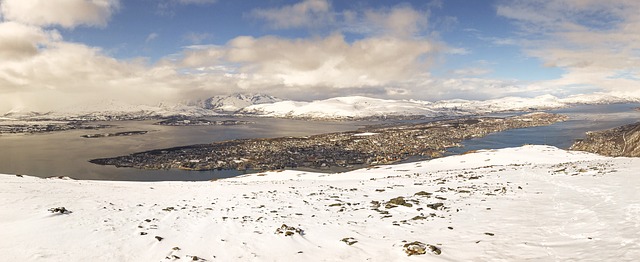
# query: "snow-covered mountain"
350, 107
360, 107
235, 102
341, 107
599, 98
110, 110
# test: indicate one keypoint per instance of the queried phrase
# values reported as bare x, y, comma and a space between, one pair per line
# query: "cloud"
471, 71
22, 41
68, 13
166, 7
401, 21
391, 59
196, 38
329, 62
593, 41
41, 71
308, 13
151, 37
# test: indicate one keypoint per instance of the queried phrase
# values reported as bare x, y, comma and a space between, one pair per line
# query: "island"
125, 133
185, 121
32, 127
349, 150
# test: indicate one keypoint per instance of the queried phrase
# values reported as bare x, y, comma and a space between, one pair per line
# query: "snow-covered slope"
341, 107
359, 107
235, 102
598, 98
113, 109
333, 108
530, 203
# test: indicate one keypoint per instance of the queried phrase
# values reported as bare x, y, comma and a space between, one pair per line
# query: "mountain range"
349, 107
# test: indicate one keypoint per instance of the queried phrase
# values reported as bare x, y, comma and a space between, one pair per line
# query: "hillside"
348, 107
620, 141
235, 102
528, 203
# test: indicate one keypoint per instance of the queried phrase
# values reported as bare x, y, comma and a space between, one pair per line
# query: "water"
67, 153
583, 118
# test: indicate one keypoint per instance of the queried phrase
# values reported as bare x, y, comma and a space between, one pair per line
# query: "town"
347, 150
186, 121
32, 127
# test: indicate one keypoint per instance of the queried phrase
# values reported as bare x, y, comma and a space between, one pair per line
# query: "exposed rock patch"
419, 248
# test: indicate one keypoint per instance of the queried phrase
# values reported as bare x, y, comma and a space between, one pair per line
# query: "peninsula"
344, 150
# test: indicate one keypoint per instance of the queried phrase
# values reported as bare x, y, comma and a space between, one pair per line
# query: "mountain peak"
234, 102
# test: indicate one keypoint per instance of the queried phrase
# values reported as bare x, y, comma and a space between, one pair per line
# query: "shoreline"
386, 144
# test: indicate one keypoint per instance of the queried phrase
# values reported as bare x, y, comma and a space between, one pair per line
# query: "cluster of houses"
369, 146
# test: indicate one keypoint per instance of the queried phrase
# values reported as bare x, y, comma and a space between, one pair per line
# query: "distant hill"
362, 107
346, 107
235, 102
619, 141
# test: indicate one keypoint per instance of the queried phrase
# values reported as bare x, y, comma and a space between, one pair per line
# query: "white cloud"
22, 41
392, 59
67, 13
329, 62
151, 37
401, 21
471, 71
308, 13
593, 41
196, 38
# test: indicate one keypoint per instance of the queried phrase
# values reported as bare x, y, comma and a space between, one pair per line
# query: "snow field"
529, 203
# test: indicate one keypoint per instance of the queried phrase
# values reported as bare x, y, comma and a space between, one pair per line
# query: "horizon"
58, 55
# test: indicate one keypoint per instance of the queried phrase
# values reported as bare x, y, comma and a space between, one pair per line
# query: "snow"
235, 102
527, 203
348, 107
339, 107
365, 134
361, 107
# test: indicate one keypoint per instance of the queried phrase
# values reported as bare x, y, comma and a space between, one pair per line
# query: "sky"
64, 53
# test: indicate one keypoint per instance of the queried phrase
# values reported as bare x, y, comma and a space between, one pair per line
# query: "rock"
415, 248
61, 210
289, 231
398, 201
436, 250
435, 206
423, 193
349, 240
419, 248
